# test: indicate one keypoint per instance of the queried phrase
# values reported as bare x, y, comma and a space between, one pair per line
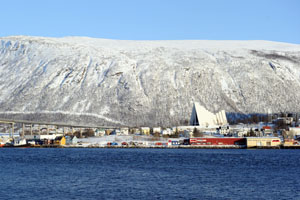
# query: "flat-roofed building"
253, 142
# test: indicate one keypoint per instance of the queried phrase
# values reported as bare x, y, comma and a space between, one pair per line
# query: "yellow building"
253, 142
108, 131
145, 130
60, 140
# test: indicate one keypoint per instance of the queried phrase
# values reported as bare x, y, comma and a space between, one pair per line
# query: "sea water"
85, 173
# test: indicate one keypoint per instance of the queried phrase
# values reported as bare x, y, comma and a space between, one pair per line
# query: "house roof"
267, 127
59, 137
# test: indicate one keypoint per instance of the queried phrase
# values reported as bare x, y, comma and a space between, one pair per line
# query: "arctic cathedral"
202, 117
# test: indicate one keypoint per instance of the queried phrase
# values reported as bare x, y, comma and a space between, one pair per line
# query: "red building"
218, 141
267, 127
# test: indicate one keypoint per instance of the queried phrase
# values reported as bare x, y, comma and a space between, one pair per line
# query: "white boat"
19, 142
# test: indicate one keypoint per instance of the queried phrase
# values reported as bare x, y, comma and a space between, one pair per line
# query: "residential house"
167, 131
124, 131
145, 130
156, 130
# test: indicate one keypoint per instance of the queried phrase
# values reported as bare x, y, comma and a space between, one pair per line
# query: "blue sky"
276, 20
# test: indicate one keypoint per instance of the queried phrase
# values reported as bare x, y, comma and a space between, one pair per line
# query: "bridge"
29, 123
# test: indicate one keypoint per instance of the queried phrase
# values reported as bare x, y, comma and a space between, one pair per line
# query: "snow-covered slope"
111, 82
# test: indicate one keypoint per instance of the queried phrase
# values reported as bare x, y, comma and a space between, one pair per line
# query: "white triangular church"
202, 117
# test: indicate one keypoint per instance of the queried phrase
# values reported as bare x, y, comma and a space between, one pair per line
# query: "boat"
2, 143
19, 142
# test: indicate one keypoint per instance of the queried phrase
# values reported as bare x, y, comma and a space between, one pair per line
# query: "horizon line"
118, 39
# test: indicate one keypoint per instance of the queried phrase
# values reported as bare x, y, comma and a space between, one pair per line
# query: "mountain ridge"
137, 83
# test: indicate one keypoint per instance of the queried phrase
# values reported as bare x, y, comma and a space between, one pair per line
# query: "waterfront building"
60, 140
71, 140
42, 137
173, 142
289, 142
295, 131
253, 142
218, 141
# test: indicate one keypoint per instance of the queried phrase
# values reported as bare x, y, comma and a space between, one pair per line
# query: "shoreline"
157, 147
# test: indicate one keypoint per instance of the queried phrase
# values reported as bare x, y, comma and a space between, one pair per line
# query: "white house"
156, 129
167, 131
124, 131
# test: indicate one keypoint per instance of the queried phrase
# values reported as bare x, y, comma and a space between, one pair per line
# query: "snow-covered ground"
92, 81
118, 139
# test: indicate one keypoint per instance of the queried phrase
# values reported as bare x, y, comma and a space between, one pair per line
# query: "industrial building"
254, 142
227, 141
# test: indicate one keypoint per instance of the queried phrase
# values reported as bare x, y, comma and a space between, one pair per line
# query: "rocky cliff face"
143, 83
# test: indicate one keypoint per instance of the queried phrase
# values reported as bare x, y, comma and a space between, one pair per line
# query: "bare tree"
197, 133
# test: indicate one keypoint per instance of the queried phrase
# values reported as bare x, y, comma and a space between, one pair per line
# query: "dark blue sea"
149, 174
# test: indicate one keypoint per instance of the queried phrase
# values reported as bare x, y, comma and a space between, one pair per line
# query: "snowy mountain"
143, 83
